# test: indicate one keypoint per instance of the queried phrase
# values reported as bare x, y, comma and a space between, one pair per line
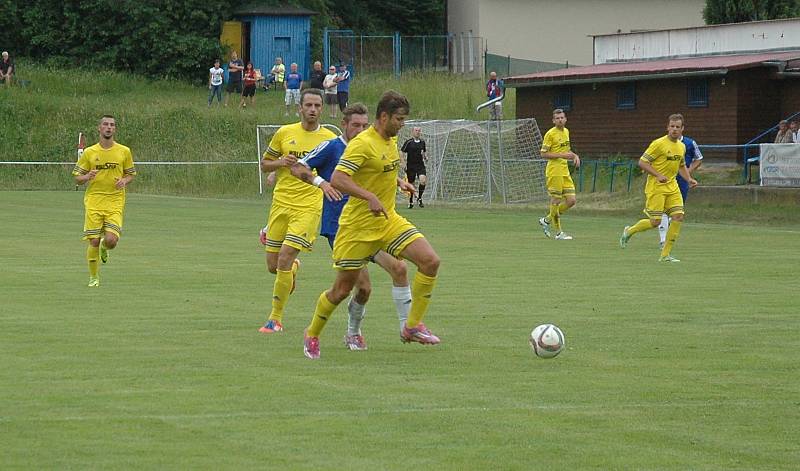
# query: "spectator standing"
293, 84
235, 69
317, 76
6, 69
784, 134
215, 75
343, 87
494, 89
330, 85
276, 75
249, 90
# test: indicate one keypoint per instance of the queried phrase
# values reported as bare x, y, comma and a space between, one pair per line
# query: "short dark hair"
311, 91
676, 117
392, 102
558, 111
107, 116
355, 108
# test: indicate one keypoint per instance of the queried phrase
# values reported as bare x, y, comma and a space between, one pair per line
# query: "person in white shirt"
215, 75
330, 86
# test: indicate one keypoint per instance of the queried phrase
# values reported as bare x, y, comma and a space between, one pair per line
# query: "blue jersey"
692, 153
293, 80
324, 159
344, 85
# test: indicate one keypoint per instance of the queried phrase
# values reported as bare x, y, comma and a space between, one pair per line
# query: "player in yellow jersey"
557, 150
108, 168
296, 207
368, 172
662, 161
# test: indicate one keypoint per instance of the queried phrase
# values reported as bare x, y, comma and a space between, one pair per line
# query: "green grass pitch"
667, 366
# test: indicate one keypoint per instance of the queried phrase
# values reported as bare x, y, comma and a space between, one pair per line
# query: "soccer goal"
264, 133
482, 161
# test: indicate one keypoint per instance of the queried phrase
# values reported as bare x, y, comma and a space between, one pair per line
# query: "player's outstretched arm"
345, 183
301, 172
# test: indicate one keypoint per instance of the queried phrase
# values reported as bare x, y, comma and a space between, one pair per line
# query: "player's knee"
110, 241
429, 264
399, 271
677, 217
655, 222
94, 242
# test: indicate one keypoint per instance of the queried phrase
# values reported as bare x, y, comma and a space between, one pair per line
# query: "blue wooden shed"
266, 32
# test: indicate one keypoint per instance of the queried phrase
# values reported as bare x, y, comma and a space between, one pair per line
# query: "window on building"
563, 99
626, 96
697, 92
282, 46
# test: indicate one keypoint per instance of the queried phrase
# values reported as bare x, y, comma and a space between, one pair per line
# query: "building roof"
262, 9
651, 69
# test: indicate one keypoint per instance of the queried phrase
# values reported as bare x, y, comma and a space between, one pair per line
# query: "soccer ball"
547, 341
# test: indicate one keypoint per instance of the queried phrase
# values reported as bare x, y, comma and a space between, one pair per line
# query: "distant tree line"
178, 38
738, 11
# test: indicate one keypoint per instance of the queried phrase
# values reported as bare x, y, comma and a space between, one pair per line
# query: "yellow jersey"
557, 141
666, 156
112, 164
291, 192
373, 162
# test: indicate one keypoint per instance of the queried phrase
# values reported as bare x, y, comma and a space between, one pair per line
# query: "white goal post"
468, 161
482, 161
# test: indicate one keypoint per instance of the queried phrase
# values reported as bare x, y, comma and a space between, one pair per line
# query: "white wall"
558, 31
756, 36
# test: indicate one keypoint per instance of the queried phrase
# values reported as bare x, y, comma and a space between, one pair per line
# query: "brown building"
619, 107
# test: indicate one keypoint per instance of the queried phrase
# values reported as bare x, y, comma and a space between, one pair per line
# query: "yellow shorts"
663, 203
558, 187
294, 228
354, 248
97, 221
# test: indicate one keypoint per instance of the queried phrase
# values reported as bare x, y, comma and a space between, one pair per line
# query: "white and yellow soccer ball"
547, 340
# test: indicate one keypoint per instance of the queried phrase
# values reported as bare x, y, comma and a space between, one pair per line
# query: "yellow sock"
640, 226
322, 313
92, 255
421, 289
554, 217
280, 293
563, 208
672, 235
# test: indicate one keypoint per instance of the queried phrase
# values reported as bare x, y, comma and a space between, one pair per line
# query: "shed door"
232, 36
283, 47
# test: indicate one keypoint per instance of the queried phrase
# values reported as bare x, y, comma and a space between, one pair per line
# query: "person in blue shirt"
343, 86
323, 159
293, 84
694, 158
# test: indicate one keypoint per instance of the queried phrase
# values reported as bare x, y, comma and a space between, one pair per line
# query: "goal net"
482, 161
469, 161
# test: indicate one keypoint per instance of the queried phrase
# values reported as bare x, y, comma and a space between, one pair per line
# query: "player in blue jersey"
694, 158
323, 159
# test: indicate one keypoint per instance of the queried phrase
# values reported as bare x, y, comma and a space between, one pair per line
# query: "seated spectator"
784, 134
276, 74
6, 69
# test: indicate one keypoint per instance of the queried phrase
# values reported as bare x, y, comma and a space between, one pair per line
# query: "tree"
739, 11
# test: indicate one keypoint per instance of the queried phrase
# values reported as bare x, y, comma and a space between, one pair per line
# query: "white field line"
394, 411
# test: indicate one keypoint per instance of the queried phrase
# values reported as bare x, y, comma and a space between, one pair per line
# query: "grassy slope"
685, 366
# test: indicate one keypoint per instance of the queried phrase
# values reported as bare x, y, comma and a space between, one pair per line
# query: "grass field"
682, 366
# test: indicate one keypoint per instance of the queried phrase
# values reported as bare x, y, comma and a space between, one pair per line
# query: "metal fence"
393, 53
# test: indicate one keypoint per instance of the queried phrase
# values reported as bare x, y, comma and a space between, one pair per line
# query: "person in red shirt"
250, 78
